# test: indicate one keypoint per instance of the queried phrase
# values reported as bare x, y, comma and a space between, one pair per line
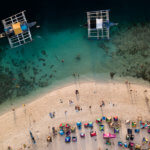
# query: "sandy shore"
128, 99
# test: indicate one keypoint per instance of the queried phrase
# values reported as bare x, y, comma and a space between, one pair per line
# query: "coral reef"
133, 45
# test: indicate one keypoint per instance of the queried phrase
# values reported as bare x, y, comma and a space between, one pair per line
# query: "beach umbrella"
98, 120
67, 125
90, 124
61, 132
61, 125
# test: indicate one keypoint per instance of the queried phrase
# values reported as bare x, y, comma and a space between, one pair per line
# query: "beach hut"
67, 139
131, 145
90, 124
133, 124
98, 120
125, 145
79, 125
127, 122
145, 140
137, 147
103, 118
98, 24
108, 135
108, 142
17, 29
61, 125
73, 129
74, 139
101, 127
116, 118
108, 119
129, 131
67, 125
82, 135
116, 130
86, 125
120, 144
137, 130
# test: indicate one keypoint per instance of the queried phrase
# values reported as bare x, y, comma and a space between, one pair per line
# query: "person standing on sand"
76, 92
65, 112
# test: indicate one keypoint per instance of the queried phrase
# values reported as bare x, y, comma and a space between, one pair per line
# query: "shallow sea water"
40, 64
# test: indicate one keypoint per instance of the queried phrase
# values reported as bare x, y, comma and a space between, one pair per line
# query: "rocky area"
133, 47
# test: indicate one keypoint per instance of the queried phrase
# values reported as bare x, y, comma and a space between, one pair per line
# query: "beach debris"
49, 139
24, 145
61, 101
52, 115
9, 148
32, 137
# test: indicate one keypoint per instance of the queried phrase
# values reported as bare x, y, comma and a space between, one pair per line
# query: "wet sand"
127, 101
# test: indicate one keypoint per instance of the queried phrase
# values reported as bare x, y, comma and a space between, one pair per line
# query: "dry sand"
129, 102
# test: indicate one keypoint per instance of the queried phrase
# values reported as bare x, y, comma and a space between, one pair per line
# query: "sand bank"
127, 101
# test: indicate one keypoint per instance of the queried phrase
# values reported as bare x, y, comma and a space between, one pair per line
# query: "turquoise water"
39, 63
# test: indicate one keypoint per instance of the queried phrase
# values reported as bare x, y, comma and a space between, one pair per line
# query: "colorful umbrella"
61, 125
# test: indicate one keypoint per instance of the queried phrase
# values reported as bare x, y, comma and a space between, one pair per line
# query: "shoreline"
34, 115
17, 102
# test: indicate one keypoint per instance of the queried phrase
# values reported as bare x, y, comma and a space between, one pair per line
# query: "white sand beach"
127, 101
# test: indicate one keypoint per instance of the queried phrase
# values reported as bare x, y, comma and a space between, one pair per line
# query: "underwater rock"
104, 47
78, 57
44, 64
41, 59
6, 69
43, 84
14, 62
50, 76
51, 66
43, 52
35, 71
112, 74
6, 87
